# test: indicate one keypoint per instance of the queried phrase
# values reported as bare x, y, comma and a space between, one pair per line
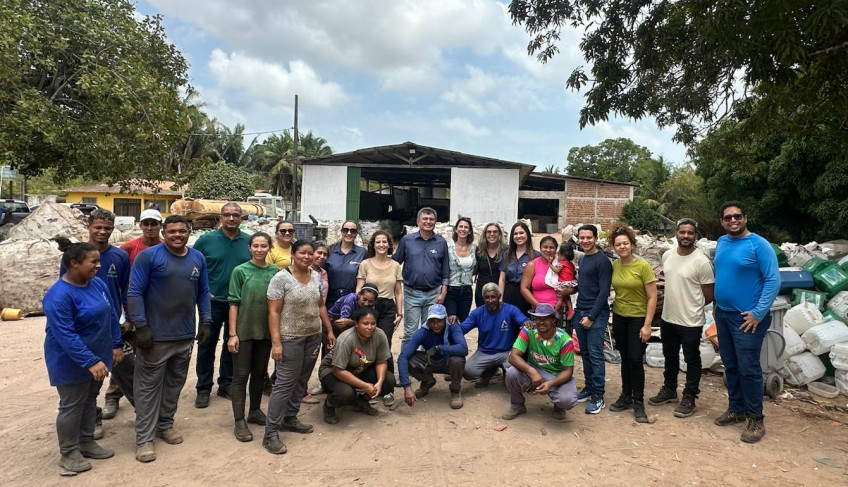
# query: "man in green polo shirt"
224, 249
542, 361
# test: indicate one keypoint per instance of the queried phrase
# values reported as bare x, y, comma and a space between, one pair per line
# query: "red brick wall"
593, 202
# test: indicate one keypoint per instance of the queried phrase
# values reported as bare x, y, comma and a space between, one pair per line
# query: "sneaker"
256, 416
754, 430
110, 409
639, 413
686, 407
330, 415
362, 405
727, 418
224, 392
74, 462
291, 423
456, 400
388, 399
242, 432
514, 411
595, 405
623, 402
170, 436
310, 399
558, 414
91, 449
424, 388
274, 445
666, 394
145, 452
584, 395
202, 400
485, 378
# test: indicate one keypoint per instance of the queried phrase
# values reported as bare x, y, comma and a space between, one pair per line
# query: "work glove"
204, 331
143, 338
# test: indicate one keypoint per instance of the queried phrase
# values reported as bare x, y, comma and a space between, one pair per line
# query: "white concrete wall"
324, 193
484, 195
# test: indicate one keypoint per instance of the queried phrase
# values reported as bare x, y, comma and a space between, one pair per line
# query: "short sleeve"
646, 273
276, 289
522, 341
706, 275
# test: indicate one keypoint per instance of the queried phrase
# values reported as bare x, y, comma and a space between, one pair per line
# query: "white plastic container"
824, 390
821, 338
839, 356
799, 257
708, 355
802, 369
839, 304
654, 355
841, 378
842, 261
793, 341
802, 317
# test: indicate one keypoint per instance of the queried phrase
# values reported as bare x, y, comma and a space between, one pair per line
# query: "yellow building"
130, 202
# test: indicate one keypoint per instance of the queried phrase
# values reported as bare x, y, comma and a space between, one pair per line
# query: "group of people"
136, 311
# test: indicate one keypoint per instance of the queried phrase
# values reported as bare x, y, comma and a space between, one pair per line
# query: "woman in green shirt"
250, 339
635, 286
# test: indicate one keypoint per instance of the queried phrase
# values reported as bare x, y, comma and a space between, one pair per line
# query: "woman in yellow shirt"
280, 254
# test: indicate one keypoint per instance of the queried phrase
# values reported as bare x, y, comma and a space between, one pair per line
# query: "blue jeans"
592, 350
205, 366
416, 304
740, 354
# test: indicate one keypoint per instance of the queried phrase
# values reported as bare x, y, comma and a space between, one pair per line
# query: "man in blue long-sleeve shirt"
746, 282
426, 271
591, 315
445, 351
166, 284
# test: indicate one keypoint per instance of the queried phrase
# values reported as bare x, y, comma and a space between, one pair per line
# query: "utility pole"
294, 164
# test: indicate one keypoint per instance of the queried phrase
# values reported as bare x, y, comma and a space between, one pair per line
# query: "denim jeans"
592, 350
77, 414
416, 304
689, 337
458, 302
205, 367
740, 354
563, 396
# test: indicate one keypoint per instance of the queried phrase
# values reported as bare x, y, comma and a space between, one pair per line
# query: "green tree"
275, 156
221, 181
88, 89
685, 63
612, 159
650, 173
641, 216
550, 169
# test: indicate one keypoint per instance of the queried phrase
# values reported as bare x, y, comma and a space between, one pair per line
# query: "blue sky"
453, 74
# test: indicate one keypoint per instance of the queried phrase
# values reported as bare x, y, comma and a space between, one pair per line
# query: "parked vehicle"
13, 211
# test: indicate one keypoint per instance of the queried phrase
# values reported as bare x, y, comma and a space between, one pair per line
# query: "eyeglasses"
351, 231
231, 215
687, 221
286, 231
735, 216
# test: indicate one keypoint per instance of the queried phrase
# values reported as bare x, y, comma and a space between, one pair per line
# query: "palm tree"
552, 169
275, 156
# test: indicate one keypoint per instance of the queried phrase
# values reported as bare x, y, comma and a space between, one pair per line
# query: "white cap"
150, 215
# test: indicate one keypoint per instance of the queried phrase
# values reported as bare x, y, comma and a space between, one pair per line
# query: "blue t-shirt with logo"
496, 332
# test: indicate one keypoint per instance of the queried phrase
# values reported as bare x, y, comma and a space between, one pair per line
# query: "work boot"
485, 378
170, 436
274, 445
686, 407
202, 400
291, 423
623, 402
424, 388
362, 405
665, 395
242, 432
754, 430
514, 411
558, 414
110, 409
330, 415
90, 449
224, 392
639, 411
256, 416
456, 400
74, 462
145, 452
727, 418
98, 425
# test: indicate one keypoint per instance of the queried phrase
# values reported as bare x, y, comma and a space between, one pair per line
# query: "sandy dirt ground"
430, 444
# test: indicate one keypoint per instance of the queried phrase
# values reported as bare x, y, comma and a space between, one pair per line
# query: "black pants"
453, 366
251, 361
689, 337
122, 378
478, 290
626, 331
205, 366
387, 309
341, 393
512, 295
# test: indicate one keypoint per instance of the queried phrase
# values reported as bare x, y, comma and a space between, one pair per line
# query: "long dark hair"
371, 251
512, 246
73, 252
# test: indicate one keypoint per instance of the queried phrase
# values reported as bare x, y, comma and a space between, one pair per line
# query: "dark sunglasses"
349, 230
736, 216
286, 231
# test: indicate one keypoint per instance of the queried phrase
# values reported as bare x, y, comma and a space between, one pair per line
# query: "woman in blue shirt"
343, 263
82, 343
513, 262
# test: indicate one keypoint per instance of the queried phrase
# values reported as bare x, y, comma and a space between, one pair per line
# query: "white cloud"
464, 127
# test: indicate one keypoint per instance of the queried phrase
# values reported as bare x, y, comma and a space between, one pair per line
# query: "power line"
246, 133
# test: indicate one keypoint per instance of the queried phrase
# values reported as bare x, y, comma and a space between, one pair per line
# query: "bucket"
11, 314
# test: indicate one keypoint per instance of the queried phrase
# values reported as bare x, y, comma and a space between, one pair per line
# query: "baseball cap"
437, 311
544, 309
150, 214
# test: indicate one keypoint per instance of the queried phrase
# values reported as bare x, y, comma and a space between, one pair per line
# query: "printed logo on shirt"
540, 359
113, 271
363, 361
524, 264
105, 298
194, 274
354, 262
433, 251
504, 326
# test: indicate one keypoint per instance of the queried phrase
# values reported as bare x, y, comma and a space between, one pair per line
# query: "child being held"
560, 275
